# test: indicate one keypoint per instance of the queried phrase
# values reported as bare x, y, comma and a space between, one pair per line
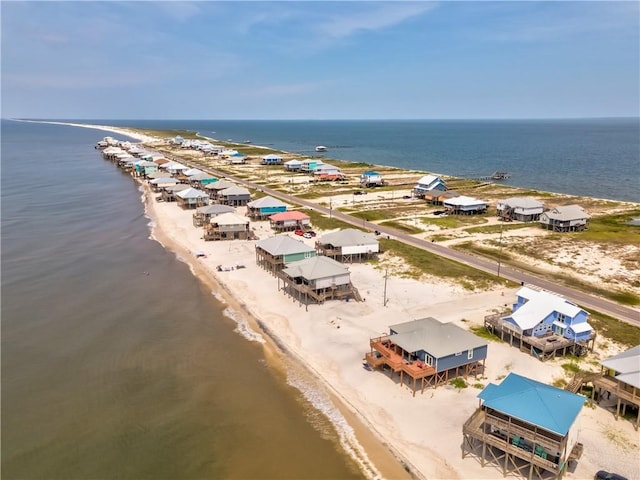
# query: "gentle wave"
322, 403
243, 328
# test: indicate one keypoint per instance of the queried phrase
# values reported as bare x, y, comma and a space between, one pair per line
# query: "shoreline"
429, 443
387, 464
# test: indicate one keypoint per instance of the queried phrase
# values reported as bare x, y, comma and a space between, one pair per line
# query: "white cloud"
383, 15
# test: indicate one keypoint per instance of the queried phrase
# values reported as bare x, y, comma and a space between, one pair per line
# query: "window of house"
563, 318
470, 354
428, 359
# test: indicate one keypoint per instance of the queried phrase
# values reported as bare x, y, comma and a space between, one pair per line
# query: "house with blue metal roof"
525, 427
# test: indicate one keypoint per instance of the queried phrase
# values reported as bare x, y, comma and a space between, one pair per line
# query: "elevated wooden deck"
487, 435
544, 347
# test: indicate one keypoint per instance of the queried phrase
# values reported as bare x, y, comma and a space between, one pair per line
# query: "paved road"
602, 305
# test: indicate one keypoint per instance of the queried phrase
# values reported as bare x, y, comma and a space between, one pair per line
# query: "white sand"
424, 431
331, 339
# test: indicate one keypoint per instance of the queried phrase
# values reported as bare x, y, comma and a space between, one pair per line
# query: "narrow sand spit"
423, 432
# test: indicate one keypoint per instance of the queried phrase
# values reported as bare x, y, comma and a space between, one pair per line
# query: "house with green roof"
525, 427
429, 351
275, 253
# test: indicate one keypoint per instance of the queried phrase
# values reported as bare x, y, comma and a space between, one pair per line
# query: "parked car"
299, 232
360, 192
306, 235
311, 233
603, 475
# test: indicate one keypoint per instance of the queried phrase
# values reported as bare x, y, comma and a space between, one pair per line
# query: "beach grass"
402, 227
423, 262
614, 329
490, 229
455, 221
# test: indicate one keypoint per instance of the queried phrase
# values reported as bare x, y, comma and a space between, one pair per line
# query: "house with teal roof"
525, 427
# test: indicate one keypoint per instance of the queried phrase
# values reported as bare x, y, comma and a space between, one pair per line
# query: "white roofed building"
348, 245
523, 209
463, 205
567, 218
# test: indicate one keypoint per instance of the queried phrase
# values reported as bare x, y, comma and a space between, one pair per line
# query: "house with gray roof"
530, 429
192, 198
227, 226
348, 245
264, 207
463, 205
621, 379
523, 209
213, 188
567, 218
428, 350
204, 214
169, 191
235, 196
428, 183
275, 253
317, 279
157, 183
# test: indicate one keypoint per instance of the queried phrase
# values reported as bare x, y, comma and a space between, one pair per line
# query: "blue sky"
320, 60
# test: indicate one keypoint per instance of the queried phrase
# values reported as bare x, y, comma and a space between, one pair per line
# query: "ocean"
116, 361
586, 157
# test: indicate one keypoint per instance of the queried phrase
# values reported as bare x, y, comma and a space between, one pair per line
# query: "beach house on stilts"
427, 351
544, 324
525, 428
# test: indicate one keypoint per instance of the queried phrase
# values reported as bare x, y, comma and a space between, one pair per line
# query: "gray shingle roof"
567, 212
348, 237
266, 202
436, 338
283, 245
316, 268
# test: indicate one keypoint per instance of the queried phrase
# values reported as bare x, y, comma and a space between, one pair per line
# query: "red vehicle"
299, 232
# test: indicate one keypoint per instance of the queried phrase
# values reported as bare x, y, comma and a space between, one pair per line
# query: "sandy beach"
385, 428
424, 432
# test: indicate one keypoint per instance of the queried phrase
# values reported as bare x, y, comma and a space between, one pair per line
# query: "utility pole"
330, 206
500, 247
385, 300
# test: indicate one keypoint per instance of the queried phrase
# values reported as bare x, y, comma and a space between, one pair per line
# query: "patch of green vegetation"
483, 251
374, 215
614, 329
559, 382
482, 332
455, 221
423, 262
497, 228
571, 367
612, 229
321, 222
458, 383
403, 227
479, 385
